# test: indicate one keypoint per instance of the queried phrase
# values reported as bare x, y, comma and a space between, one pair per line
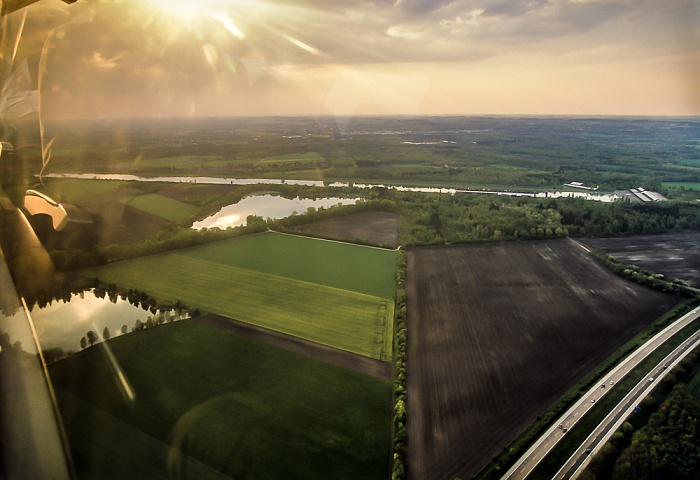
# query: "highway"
541, 447
579, 459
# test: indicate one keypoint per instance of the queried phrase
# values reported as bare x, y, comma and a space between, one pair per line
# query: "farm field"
674, 255
376, 227
340, 265
498, 333
128, 212
163, 207
206, 278
207, 401
74, 190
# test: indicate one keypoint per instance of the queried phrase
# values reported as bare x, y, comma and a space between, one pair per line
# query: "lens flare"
180, 8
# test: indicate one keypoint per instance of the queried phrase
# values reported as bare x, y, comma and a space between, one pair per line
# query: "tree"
91, 337
105, 333
83, 343
124, 329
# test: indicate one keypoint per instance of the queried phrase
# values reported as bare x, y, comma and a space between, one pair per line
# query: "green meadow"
209, 277
341, 265
160, 206
211, 405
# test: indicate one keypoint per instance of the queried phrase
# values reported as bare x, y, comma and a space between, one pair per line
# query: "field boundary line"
269, 230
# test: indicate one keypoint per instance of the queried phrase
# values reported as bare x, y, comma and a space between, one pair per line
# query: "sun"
191, 11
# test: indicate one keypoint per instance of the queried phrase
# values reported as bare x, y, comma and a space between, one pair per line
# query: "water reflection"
63, 324
265, 206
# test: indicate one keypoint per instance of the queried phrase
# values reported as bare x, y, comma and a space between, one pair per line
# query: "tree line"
657, 281
465, 218
400, 435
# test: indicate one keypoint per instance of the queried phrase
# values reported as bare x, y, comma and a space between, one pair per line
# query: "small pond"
266, 206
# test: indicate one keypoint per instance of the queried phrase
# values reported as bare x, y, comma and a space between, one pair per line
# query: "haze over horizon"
160, 58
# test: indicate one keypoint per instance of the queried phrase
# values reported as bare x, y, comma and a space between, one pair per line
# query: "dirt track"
497, 333
358, 363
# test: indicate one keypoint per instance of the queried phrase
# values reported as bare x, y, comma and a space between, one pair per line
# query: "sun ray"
224, 19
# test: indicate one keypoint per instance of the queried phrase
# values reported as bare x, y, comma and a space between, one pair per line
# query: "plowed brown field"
497, 333
376, 227
674, 254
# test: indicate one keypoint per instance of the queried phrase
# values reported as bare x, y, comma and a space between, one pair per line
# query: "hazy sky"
343, 57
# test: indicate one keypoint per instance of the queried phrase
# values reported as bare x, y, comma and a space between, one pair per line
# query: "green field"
309, 157
334, 264
207, 401
207, 278
160, 206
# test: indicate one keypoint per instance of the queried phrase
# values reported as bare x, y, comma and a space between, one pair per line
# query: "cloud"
129, 58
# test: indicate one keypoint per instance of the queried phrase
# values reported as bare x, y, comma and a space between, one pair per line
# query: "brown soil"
675, 255
380, 228
499, 332
358, 363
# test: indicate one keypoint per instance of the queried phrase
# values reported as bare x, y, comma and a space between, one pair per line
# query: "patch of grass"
160, 206
340, 318
209, 403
